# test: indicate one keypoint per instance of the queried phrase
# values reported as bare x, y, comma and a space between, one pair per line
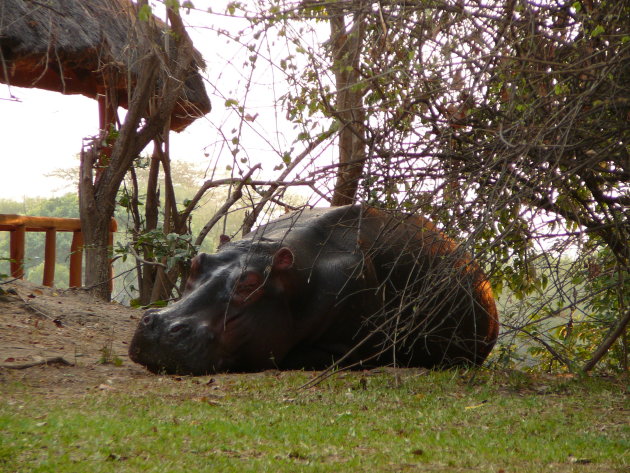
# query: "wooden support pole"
18, 237
50, 257
76, 259
110, 242
107, 123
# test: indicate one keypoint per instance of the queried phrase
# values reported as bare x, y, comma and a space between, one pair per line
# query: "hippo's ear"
223, 239
196, 270
249, 288
283, 259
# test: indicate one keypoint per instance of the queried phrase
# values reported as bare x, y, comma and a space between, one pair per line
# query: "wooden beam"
40, 223
33, 224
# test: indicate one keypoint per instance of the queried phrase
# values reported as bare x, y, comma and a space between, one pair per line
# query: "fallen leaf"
477, 405
542, 389
116, 457
207, 400
579, 461
297, 455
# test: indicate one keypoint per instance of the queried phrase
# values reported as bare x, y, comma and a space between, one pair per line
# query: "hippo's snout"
162, 324
167, 341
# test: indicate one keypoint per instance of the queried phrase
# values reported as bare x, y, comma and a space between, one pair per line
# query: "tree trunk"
617, 331
95, 222
346, 51
147, 102
148, 270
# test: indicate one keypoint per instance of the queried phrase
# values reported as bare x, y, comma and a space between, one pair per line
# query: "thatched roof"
78, 46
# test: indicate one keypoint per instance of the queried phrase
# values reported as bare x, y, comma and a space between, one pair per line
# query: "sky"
39, 132
42, 131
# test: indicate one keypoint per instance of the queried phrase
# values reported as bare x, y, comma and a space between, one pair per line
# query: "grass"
394, 421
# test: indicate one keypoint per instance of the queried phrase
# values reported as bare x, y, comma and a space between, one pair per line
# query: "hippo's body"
304, 290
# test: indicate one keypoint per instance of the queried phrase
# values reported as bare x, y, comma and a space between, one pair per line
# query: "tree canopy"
505, 121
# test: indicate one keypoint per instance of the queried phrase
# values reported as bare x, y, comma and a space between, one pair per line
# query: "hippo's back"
431, 294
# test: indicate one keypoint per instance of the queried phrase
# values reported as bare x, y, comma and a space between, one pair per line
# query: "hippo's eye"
179, 330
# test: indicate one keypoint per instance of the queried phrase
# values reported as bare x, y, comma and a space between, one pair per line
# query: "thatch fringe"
82, 46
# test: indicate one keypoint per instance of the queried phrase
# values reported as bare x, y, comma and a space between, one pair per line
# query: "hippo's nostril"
149, 317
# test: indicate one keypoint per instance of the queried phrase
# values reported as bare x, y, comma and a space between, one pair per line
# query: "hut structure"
98, 48
86, 47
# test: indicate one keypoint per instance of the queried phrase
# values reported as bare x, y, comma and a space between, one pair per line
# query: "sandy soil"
63, 341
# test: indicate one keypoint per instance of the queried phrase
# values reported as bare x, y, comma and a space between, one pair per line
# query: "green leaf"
559, 89
172, 4
599, 29
144, 13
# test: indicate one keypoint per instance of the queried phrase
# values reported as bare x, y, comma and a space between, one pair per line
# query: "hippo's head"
234, 316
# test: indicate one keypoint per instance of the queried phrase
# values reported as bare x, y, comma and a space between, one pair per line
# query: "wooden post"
50, 257
106, 121
110, 242
76, 259
17, 251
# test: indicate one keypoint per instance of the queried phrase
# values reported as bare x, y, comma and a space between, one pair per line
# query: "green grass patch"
380, 421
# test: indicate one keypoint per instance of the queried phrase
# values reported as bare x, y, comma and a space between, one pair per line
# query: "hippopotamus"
351, 285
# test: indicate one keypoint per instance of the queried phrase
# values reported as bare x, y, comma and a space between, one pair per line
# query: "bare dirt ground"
64, 341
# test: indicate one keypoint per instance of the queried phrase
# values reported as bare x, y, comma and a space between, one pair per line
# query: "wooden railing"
18, 225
